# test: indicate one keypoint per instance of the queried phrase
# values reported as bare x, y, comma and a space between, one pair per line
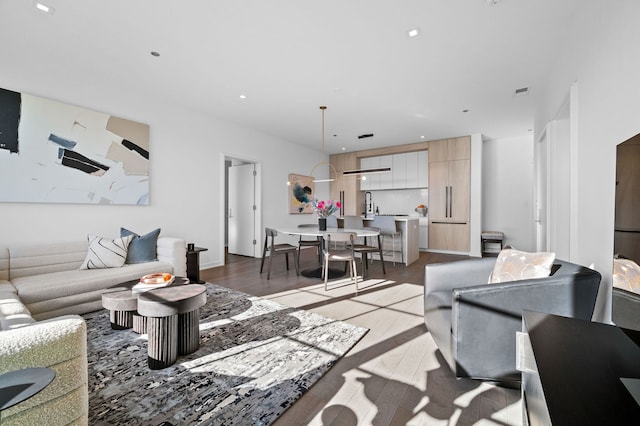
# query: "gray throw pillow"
143, 247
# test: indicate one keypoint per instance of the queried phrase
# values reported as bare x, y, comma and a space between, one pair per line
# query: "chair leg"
384, 271
355, 275
296, 254
264, 253
287, 259
270, 261
393, 243
325, 272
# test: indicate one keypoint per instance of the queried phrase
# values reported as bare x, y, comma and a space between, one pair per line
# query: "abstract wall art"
53, 152
301, 192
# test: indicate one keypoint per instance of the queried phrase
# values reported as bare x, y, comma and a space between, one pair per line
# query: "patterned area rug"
256, 358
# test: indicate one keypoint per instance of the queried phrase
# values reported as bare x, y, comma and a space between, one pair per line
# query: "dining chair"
366, 248
353, 222
273, 249
387, 226
302, 242
339, 255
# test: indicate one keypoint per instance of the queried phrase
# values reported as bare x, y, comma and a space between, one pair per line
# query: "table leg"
162, 346
139, 323
121, 320
188, 332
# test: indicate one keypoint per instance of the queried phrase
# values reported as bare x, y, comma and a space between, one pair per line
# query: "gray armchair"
474, 324
625, 308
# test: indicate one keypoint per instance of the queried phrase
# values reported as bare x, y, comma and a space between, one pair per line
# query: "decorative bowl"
156, 279
422, 211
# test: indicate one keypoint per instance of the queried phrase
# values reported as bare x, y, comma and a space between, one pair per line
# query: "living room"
594, 66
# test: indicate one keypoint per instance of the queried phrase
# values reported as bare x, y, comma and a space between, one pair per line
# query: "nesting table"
169, 315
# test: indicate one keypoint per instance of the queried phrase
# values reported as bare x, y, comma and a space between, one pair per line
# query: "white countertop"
399, 218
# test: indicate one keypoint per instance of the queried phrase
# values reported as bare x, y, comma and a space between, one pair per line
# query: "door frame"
224, 184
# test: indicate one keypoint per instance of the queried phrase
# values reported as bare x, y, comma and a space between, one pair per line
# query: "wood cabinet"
449, 194
345, 188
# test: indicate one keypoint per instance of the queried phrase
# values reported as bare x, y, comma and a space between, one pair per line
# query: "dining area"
345, 246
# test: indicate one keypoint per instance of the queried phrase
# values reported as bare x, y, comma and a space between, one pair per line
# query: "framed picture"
301, 192
53, 152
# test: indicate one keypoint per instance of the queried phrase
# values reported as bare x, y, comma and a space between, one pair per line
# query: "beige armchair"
60, 344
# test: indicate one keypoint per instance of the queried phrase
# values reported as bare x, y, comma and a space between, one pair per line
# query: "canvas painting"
54, 152
301, 192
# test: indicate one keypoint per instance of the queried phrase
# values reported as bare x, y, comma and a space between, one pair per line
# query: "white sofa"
41, 282
42, 294
60, 344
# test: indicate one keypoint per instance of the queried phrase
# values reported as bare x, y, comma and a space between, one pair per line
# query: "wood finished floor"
395, 375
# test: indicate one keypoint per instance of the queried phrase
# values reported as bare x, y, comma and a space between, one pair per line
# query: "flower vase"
322, 223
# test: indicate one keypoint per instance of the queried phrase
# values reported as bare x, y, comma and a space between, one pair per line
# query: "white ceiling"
291, 56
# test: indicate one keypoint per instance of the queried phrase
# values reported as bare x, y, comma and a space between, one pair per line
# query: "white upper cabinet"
408, 170
386, 179
399, 171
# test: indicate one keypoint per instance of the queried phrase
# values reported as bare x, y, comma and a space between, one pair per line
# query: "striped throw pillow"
106, 253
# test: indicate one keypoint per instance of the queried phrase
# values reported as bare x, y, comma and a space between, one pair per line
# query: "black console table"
573, 370
193, 265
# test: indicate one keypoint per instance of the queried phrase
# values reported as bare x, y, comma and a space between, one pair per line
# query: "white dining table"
316, 232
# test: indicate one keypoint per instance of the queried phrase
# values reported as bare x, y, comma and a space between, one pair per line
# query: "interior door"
241, 214
541, 193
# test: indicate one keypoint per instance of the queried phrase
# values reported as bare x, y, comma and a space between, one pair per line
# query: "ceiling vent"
523, 91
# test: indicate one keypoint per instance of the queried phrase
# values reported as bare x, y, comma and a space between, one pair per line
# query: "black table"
17, 386
577, 375
193, 264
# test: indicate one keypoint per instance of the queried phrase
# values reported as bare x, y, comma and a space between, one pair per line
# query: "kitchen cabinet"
345, 188
399, 171
372, 180
408, 170
386, 179
449, 194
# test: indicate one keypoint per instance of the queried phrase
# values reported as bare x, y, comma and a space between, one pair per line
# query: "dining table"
316, 272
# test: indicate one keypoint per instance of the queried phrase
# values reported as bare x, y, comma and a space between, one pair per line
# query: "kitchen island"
409, 249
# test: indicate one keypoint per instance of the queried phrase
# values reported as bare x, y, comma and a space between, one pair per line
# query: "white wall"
507, 182
187, 172
601, 54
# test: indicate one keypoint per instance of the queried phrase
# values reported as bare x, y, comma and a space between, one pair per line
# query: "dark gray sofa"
474, 324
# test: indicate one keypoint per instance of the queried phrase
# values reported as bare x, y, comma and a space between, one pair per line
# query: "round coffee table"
122, 303
173, 322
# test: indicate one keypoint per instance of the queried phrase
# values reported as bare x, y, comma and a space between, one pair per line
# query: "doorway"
242, 207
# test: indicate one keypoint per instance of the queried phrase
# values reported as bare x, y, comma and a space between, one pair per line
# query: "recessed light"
422, 137
243, 96
43, 7
413, 32
344, 148
154, 53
